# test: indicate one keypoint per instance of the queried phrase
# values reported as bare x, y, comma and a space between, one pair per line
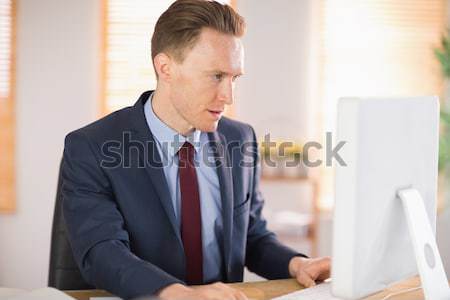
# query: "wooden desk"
265, 290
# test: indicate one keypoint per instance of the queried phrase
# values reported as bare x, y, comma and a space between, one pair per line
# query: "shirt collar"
169, 140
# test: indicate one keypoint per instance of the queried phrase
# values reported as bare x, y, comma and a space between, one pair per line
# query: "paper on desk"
6, 293
39, 294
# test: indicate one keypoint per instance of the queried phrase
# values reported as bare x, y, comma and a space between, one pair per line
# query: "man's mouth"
216, 113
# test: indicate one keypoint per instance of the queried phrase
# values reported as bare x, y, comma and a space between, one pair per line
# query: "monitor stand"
432, 275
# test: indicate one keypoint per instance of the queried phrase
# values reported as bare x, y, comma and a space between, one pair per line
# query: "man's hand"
309, 270
215, 291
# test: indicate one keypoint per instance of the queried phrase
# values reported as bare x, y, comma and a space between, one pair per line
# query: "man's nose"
227, 92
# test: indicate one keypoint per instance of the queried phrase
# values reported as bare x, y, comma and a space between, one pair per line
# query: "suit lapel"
153, 163
156, 173
223, 165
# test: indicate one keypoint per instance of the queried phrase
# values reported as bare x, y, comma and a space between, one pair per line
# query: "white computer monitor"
391, 146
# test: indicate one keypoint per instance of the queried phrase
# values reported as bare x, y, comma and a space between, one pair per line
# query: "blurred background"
64, 64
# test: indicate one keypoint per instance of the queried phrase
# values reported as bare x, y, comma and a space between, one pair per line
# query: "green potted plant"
443, 55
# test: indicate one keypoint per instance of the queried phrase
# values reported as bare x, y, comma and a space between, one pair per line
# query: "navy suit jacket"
119, 215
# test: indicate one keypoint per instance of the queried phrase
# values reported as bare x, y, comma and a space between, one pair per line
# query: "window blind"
7, 10
129, 69
5, 48
377, 48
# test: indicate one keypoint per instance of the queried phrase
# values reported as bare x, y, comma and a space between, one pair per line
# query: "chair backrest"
64, 273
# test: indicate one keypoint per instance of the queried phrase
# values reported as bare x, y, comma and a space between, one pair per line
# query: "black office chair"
63, 273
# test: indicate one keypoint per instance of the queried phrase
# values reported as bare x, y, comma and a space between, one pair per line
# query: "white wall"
274, 95
57, 80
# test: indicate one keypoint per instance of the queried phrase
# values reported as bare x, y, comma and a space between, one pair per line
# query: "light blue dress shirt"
209, 189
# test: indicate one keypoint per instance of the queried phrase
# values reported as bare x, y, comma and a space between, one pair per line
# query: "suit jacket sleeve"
96, 228
265, 255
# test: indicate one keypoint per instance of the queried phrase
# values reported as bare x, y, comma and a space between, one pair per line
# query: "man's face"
204, 82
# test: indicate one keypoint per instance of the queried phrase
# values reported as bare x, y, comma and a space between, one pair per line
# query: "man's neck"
164, 110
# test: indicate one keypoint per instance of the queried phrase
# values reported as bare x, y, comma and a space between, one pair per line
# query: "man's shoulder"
110, 126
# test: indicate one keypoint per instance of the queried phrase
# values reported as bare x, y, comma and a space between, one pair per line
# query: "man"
156, 198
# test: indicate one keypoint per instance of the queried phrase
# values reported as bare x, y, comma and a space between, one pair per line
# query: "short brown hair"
179, 27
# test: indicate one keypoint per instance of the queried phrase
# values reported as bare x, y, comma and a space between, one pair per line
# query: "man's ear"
163, 66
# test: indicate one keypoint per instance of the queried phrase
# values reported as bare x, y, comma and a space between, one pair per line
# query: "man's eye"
218, 77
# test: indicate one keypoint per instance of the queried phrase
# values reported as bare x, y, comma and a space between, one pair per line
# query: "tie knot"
186, 152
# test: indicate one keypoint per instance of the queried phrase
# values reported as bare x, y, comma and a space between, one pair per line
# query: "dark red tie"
191, 221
